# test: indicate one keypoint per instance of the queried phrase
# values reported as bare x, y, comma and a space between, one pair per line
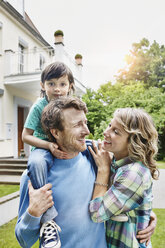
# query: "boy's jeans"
39, 163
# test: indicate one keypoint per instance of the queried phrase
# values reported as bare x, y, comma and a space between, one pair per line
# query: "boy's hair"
143, 137
52, 115
56, 70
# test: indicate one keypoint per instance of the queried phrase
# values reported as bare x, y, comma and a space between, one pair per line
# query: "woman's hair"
143, 137
56, 70
52, 115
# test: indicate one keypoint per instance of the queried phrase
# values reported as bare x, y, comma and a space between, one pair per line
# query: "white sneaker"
120, 218
49, 235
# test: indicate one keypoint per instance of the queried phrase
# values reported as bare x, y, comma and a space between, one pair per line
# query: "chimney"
59, 46
59, 37
78, 59
78, 62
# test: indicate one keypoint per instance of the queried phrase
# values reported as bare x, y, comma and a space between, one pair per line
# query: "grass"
7, 236
161, 164
158, 239
6, 189
8, 239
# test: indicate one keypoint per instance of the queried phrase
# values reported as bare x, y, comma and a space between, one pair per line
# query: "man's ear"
42, 86
55, 133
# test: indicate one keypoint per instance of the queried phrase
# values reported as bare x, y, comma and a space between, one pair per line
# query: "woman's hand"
102, 158
39, 199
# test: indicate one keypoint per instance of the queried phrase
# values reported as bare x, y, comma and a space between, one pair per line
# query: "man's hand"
53, 147
145, 235
39, 199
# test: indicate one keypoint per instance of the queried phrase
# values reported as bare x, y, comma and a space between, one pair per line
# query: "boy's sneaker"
49, 235
120, 218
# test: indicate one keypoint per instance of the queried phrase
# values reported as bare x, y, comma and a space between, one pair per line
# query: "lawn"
161, 164
158, 239
7, 236
6, 189
8, 240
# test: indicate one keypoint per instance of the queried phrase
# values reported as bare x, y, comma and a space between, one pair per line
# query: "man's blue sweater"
72, 185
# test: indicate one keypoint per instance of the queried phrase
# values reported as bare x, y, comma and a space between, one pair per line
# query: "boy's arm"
27, 137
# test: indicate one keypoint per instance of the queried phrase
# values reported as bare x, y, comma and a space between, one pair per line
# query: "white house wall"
11, 33
22, 89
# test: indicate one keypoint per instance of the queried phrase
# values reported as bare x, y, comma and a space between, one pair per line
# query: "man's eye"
109, 124
116, 132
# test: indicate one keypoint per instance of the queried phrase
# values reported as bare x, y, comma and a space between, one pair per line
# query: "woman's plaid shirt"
131, 193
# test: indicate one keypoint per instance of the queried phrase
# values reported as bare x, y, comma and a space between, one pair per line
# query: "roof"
25, 21
30, 23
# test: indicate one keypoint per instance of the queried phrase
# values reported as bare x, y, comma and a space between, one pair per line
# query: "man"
72, 180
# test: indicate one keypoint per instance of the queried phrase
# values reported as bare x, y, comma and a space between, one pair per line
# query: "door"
20, 128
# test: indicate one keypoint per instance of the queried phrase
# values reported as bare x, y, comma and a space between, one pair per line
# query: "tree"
96, 111
108, 98
145, 63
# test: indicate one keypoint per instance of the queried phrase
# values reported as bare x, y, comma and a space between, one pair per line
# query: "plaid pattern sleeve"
130, 193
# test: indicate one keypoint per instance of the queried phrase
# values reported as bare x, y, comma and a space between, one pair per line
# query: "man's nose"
86, 130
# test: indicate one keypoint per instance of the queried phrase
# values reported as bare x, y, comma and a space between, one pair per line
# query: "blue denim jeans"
39, 163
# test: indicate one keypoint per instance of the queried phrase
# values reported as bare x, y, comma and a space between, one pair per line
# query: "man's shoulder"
88, 142
89, 155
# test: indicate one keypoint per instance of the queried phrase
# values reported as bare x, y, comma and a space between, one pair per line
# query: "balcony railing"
26, 61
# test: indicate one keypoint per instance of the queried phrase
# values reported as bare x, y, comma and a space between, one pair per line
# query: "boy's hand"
145, 235
53, 147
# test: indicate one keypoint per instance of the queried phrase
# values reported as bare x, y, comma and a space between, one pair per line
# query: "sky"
102, 31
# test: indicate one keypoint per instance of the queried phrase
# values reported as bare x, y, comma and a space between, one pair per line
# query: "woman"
126, 187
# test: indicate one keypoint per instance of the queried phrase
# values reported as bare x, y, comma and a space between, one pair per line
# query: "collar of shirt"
116, 164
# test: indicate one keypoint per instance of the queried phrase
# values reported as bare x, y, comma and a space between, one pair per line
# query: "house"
23, 55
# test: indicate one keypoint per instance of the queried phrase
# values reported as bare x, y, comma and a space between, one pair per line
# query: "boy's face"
56, 87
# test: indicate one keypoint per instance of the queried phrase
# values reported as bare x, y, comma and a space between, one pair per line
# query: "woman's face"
116, 140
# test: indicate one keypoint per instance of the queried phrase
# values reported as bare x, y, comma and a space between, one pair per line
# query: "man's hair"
56, 70
52, 115
143, 137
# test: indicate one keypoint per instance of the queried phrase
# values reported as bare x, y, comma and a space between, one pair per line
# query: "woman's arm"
103, 161
124, 195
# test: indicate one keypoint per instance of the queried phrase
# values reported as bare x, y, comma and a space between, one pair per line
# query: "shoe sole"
57, 246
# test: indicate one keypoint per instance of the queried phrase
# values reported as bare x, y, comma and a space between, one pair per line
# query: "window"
1, 25
22, 55
1, 111
21, 58
42, 62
